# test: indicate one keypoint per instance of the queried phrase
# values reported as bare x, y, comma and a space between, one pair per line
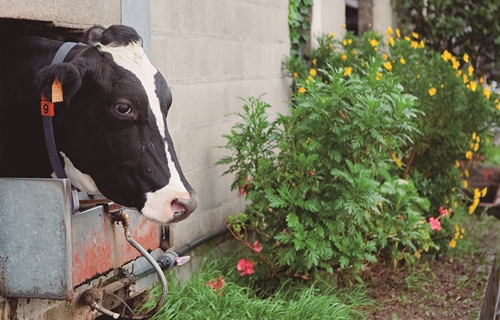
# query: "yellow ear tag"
57, 92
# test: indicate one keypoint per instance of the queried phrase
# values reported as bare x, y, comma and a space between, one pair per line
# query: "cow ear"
67, 74
93, 35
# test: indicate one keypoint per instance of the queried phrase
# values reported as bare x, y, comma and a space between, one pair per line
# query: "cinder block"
67, 13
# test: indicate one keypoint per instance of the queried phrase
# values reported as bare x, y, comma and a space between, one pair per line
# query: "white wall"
211, 52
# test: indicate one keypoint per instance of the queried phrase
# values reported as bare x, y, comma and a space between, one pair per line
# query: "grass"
279, 300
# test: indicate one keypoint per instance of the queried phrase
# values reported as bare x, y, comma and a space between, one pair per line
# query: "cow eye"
123, 108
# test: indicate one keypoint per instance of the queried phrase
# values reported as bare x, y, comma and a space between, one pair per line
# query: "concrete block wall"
64, 13
383, 16
211, 52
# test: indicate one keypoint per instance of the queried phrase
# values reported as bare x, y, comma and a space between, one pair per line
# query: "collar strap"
47, 110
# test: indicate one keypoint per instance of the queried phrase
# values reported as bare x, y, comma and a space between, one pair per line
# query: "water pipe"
93, 299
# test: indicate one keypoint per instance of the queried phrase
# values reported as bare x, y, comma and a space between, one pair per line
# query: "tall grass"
285, 300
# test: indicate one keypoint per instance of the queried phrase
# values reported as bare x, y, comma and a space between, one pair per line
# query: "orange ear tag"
46, 107
57, 92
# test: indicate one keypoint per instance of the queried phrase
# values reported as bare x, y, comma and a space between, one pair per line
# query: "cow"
110, 130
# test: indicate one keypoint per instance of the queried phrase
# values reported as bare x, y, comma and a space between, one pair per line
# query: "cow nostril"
183, 207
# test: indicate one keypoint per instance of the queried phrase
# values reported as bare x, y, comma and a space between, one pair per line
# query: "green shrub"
456, 110
323, 181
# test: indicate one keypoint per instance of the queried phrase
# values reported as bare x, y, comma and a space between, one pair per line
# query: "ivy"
298, 21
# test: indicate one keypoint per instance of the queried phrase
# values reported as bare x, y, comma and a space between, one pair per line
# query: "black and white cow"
110, 130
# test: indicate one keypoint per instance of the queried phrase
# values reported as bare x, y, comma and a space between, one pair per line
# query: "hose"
93, 299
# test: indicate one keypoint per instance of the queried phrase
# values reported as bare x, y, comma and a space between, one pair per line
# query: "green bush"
323, 181
456, 111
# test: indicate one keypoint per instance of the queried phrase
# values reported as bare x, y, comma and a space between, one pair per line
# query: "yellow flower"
353, 51
457, 164
466, 79
432, 91
442, 85
330, 45
301, 90
466, 58
422, 44
344, 42
343, 57
446, 55
459, 73
484, 191
473, 85
418, 76
486, 93
349, 41
468, 155
466, 173
481, 80
384, 56
414, 44
402, 60
414, 35
453, 243
374, 42
332, 34
347, 71
343, 25
314, 62
391, 41
407, 38
379, 76
388, 65
474, 135
455, 63
498, 106
470, 70
396, 160
476, 146
295, 75
313, 72
389, 31
466, 183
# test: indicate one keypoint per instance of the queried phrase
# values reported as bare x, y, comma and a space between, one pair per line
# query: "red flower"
217, 285
443, 212
256, 246
312, 173
435, 224
245, 267
243, 188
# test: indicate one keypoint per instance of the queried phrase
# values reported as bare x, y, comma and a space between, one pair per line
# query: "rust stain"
103, 247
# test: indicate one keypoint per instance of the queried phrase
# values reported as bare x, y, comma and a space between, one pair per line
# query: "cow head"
111, 128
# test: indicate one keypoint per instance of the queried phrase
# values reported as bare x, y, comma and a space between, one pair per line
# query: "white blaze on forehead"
132, 58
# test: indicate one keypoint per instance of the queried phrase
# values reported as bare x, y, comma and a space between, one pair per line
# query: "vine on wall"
298, 21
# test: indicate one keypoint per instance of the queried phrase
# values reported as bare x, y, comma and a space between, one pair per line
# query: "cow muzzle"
168, 205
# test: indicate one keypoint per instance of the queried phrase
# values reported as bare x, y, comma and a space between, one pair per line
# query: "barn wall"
211, 52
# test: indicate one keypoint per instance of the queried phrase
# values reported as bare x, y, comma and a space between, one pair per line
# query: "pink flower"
245, 267
435, 224
243, 188
312, 173
256, 246
443, 212
217, 285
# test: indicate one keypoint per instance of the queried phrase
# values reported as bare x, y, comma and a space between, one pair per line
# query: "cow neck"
48, 129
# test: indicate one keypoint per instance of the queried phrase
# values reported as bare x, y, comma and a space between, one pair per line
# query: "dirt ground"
450, 287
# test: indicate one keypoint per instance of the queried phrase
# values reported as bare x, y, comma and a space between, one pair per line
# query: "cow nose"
183, 207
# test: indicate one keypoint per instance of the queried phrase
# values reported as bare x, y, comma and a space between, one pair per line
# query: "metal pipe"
167, 260
94, 303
